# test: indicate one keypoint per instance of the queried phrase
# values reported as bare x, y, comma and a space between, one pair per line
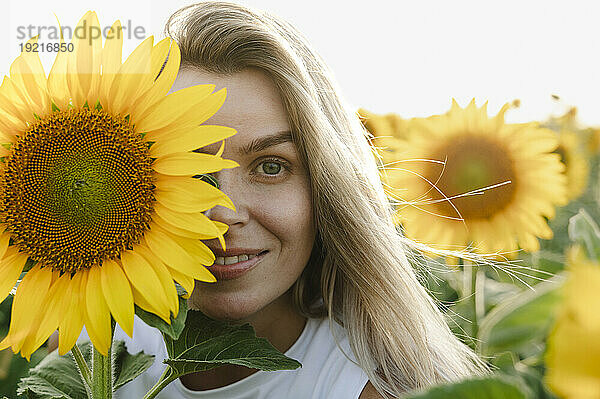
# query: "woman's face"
271, 193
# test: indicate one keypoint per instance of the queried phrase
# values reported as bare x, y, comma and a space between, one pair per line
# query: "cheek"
287, 214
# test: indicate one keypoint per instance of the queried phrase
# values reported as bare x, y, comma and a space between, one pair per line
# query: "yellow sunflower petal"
186, 195
151, 307
133, 79
166, 280
191, 164
51, 315
189, 139
96, 312
58, 88
144, 279
69, 328
10, 270
118, 295
27, 73
196, 222
173, 106
8, 103
84, 64
162, 84
184, 280
197, 115
27, 303
111, 60
174, 256
197, 249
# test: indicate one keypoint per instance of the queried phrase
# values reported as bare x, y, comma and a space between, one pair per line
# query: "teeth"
229, 260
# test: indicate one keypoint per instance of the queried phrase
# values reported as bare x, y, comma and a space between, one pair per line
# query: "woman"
312, 246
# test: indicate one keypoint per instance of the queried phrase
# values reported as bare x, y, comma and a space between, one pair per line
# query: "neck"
277, 322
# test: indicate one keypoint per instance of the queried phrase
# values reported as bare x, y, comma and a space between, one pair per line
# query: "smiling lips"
235, 262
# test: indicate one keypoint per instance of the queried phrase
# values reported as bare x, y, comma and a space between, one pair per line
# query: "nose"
230, 186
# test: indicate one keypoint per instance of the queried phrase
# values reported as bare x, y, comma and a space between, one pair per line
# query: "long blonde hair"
358, 265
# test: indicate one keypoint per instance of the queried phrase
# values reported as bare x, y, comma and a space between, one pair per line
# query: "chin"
226, 309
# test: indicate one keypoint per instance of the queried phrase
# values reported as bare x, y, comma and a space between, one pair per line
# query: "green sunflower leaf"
205, 344
583, 230
481, 388
128, 366
172, 330
518, 324
57, 377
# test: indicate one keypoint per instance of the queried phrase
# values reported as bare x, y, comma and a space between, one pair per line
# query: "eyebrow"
265, 142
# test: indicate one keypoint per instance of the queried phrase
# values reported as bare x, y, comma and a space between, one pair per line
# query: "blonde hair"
358, 264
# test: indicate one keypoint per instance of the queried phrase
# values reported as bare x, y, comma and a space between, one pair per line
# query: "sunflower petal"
58, 88
189, 139
111, 60
133, 79
10, 270
69, 328
144, 279
184, 280
51, 315
28, 75
195, 116
196, 222
161, 85
84, 64
96, 312
166, 280
174, 256
186, 195
118, 295
191, 164
173, 106
28, 303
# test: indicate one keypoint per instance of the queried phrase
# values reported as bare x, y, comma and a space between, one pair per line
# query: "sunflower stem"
165, 379
471, 273
102, 372
84, 370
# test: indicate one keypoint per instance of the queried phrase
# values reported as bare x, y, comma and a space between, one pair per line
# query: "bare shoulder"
369, 392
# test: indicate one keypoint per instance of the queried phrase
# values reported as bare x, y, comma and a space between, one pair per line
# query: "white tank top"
325, 373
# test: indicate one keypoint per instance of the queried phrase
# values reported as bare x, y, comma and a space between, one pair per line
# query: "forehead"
253, 105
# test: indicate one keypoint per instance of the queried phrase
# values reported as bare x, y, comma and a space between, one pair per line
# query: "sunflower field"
506, 216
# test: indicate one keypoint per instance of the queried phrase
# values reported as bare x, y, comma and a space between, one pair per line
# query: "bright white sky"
408, 57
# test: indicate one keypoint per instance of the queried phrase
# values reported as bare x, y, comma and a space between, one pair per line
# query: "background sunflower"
471, 180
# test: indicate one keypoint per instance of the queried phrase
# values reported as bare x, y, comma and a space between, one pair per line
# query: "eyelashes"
260, 173
257, 173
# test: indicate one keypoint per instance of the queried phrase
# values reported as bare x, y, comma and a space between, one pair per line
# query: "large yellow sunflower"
471, 180
97, 197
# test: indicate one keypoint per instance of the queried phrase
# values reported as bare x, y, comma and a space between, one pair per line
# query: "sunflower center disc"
473, 163
78, 189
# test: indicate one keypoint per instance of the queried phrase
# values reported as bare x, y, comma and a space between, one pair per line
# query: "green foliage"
584, 231
57, 377
481, 388
205, 344
521, 323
